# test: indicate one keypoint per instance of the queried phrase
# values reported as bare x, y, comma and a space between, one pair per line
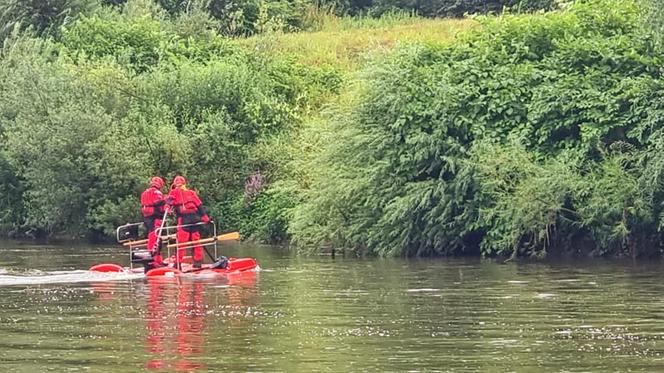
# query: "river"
309, 314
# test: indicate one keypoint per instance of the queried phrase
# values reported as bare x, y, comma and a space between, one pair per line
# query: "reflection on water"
323, 314
175, 313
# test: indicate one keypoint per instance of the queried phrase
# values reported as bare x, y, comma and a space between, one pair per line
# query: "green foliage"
424, 162
388, 172
267, 216
615, 209
244, 17
137, 43
530, 135
87, 121
140, 43
524, 204
42, 16
530, 207
70, 152
438, 8
11, 205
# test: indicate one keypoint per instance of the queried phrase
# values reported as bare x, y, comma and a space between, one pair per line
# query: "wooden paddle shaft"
223, 237
134, 243
145, 242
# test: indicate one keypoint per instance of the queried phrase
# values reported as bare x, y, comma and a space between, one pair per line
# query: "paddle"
135, 243
232, 236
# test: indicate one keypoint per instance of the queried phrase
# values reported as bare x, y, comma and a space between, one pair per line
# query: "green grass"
344, 42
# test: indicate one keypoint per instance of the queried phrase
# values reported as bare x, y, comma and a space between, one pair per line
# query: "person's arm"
204, 216
201, 209
171, 202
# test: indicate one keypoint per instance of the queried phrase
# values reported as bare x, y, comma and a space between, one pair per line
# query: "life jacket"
186, 202
152, 203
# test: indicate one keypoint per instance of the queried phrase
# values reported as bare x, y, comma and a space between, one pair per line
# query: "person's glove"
205, 219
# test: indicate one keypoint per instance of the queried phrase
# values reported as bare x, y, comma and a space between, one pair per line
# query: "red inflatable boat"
128, 236
233, 265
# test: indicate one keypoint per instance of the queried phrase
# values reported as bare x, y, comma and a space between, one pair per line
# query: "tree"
42, 16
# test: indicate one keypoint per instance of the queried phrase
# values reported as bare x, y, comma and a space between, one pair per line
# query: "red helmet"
157, 182
179, 181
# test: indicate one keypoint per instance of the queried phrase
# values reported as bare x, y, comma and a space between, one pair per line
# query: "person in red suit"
189, 211
153, 205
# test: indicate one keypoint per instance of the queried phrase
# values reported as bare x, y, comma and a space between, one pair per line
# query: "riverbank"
153, 98
510, 135
520, 138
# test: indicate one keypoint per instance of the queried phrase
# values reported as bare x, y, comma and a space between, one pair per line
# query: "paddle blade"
229, 236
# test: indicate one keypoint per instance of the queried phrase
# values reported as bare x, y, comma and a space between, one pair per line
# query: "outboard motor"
143, 258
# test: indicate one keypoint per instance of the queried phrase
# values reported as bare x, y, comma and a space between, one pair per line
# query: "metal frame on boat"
128, 236
167, 234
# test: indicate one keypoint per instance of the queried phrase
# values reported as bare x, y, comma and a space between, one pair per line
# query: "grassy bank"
342, 47
345, 42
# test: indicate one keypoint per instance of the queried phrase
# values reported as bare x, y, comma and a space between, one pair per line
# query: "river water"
328, 314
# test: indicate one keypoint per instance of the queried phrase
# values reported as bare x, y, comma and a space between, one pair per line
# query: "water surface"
325, 314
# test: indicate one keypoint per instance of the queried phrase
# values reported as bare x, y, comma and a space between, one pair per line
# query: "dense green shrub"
529, 135
89, 119
240, 17
11, 206
267, 215
438, 8
390, 166
248, 17
137, 43
398, 178
140, 43
42, 16
568, 202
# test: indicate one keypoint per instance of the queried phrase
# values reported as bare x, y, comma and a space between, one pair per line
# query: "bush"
438, 8
396, 179
41, 16
85, 129
267, 215
246, 17
525, 206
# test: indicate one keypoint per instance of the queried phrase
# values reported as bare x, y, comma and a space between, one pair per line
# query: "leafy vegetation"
437, 8
529, 135
88, 118
518, 135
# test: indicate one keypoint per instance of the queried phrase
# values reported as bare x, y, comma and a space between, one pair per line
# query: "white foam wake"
35, 277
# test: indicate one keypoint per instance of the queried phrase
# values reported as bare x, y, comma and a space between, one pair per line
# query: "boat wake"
36, 277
